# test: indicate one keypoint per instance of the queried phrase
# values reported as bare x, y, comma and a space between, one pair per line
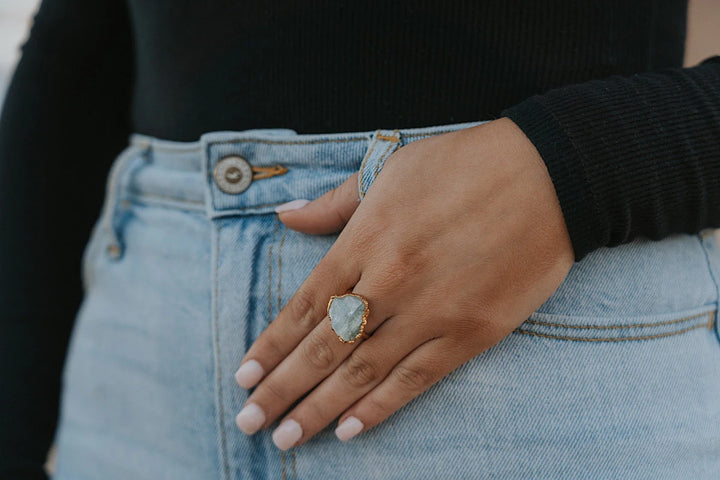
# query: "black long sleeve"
631, 155
65, 117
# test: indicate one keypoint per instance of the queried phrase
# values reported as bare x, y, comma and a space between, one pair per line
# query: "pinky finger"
417, 372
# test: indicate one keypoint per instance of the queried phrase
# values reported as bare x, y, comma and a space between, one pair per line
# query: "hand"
457, 241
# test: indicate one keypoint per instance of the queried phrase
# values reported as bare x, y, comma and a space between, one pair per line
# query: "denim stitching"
291, 142
283, 460
279, 307
110, 192
232, 211
299, 142
218, 377
127, 161
708, 263
708, 324
393, 138
431, 134
279, 255
363, 189
381, 160
612, 327
292, 462
262, 205
269, 260
327, 140
166, 202
284, 465
377, 164
362, 165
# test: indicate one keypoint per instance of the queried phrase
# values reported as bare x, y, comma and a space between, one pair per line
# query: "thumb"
326, 214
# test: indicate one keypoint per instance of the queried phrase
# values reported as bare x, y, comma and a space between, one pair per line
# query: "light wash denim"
616, 376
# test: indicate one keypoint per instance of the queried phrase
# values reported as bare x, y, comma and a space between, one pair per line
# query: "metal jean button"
233, 174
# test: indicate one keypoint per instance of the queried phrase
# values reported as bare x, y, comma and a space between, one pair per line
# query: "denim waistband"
286, 165
673, 279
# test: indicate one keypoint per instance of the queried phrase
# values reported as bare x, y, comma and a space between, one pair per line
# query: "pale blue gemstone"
346, 316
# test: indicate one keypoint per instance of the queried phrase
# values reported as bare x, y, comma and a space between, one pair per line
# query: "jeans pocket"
617, 328
640, 290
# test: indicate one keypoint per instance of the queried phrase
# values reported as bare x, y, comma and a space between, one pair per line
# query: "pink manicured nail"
250, 418
249, 374
350, 427
287, 434
292, 205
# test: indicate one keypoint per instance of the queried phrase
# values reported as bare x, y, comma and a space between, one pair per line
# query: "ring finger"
362, 371
313, 359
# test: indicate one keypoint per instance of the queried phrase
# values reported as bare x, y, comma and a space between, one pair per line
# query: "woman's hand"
457, 241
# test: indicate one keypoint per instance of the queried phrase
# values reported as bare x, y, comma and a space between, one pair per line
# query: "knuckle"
363, 239
401, 266
318, 353
388, 276
360, 372
472, 325
335, 195
369, 233
317, 412
272, 347
313, 414
304, 310
463, 326
381, 406
412, 379
276, 391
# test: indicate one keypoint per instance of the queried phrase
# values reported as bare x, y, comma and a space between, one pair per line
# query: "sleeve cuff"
566, 171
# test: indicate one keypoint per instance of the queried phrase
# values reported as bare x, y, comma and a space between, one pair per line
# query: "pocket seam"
619, 327
708, 321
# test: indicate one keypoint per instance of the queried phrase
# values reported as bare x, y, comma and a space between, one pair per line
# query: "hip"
188, 264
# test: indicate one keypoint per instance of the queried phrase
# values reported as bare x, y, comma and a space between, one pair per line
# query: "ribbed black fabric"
630, 154
329, 65
65, 116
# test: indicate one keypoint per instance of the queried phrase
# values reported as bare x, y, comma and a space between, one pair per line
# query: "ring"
348, 316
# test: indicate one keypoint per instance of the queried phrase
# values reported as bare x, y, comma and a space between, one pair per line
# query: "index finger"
334, 274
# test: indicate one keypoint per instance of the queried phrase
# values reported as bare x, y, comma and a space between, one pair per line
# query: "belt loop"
382, 144
132, 156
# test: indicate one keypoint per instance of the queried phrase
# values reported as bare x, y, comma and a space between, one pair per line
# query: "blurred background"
15, 20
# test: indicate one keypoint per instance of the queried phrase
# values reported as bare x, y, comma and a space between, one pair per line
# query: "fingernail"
292, 205
287, 434
249, 373
350, 427
250, 418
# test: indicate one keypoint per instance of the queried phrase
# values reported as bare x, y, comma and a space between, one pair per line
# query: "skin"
458, 240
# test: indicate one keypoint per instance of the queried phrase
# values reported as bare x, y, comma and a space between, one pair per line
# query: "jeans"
617, 375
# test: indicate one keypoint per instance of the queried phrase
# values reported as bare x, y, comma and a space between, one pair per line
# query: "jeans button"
233, 174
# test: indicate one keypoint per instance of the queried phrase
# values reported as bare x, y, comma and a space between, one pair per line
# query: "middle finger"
313, 359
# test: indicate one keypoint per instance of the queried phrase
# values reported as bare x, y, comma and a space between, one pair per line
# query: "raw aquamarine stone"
346, 316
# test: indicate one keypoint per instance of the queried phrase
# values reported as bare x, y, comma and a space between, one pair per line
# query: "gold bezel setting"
360, 334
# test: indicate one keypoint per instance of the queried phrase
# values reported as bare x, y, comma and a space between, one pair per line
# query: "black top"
631, 139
